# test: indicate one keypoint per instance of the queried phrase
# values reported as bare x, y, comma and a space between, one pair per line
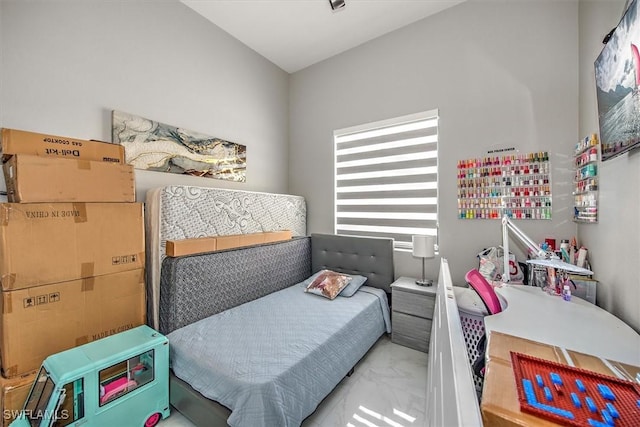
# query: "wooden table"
500, 406
570, 332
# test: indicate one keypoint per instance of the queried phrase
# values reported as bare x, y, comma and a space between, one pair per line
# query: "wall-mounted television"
617, 71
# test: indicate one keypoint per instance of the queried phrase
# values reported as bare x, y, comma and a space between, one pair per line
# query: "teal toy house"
122, 379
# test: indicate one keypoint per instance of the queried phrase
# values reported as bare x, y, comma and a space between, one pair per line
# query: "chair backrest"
485, 290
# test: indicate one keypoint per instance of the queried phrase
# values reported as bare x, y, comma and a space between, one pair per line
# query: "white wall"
502, 74
67, 64
614, 242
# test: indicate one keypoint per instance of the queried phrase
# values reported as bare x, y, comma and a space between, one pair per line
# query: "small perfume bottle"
566, 293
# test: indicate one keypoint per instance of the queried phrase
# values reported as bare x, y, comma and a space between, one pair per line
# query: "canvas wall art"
156, 146
617, 72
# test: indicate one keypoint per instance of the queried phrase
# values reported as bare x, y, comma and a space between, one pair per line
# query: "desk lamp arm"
507, 226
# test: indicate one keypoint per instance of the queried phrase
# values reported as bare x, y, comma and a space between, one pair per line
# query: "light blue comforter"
272, 360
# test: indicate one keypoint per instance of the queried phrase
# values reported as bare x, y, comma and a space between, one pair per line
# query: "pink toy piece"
152, 420
115, 387
636, 62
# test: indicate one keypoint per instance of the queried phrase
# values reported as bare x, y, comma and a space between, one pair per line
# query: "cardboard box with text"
43, 320
42, 243
33, 179
14, 141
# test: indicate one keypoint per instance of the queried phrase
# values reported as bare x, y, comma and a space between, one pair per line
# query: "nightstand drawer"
414, 304
420, 345
418, 328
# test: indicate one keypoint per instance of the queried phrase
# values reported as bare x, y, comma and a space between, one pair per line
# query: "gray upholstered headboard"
197, 286
371, 257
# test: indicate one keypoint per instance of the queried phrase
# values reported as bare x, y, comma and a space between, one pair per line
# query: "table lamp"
539, 256
423, 247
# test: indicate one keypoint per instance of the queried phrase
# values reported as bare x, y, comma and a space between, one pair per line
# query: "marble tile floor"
387, 389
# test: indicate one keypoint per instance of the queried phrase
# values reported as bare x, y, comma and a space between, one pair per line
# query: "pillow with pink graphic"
328, 284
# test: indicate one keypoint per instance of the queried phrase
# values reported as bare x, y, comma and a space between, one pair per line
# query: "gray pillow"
353, 286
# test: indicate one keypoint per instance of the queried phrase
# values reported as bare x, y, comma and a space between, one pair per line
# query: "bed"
248, 346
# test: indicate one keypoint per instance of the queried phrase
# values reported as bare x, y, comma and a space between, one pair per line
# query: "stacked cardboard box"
48, 168
209, 244
13, 393
71, 251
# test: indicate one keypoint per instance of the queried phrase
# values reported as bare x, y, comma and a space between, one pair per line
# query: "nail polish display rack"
585, 193
516, 185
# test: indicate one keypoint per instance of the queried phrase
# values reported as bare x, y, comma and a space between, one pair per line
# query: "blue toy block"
539, 380
612, 410
607, 417
528, 391
606, 392
590, 404
555, 378
556, 411
576, 400
547, 394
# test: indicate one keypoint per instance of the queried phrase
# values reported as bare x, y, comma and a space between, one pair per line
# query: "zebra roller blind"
386, 178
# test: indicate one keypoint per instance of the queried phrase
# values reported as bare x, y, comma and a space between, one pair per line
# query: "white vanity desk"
578, 325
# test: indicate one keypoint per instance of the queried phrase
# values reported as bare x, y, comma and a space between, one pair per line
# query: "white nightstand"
412, 313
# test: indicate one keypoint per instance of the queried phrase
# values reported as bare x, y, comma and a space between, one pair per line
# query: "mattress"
271, 361
183, 212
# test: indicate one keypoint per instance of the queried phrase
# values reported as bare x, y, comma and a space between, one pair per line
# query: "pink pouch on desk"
492, 262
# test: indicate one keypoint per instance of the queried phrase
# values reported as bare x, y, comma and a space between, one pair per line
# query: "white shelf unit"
585, 194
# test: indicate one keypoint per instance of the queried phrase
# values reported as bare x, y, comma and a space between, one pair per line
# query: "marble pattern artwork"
156, 146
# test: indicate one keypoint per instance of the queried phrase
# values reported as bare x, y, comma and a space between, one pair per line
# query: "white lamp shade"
424, 246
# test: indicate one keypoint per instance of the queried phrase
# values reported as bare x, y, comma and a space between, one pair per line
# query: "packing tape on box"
87, 269
4, 212
8, 280
6, 304
82, 340
10, 372
84, 164
87, 284
82, 210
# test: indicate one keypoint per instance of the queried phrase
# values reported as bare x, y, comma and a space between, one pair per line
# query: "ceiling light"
336, 4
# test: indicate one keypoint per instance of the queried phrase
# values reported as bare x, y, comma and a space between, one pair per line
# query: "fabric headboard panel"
198, 286
185, 212
371, 257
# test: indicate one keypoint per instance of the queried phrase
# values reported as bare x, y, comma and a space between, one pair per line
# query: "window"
71, 405
121, 378
36, 405
387, 178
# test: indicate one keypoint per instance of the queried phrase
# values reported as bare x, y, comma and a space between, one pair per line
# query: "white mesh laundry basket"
472, 312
